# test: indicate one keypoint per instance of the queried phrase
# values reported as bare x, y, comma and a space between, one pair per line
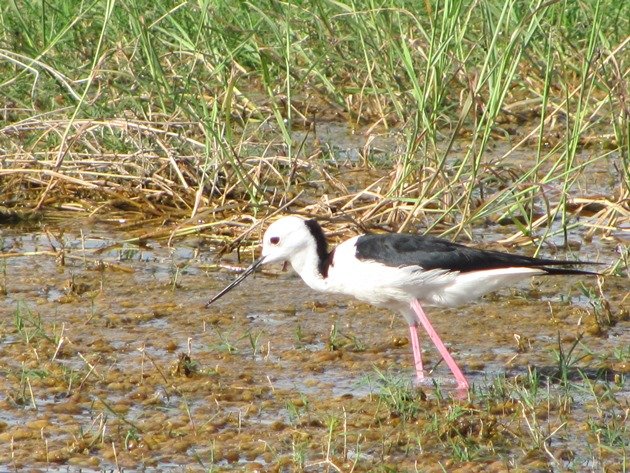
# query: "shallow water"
90, 350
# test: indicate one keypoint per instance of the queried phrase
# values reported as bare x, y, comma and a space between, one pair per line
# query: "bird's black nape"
321, 244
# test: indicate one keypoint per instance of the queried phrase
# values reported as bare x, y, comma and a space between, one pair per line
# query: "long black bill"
238, 280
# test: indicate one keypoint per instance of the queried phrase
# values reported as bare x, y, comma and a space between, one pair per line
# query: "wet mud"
108, 359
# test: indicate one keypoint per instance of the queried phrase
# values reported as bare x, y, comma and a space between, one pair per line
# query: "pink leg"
439, 344
417, 354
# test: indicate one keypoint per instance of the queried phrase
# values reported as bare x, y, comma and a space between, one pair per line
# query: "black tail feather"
571, 270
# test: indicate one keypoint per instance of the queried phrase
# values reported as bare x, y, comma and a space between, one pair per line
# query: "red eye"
274, 240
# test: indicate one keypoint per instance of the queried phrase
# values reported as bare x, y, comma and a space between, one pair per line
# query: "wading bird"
401, 272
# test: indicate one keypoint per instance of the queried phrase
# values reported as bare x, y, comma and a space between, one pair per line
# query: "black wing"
428, 252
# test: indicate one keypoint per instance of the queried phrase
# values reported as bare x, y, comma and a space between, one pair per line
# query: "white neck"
305, 262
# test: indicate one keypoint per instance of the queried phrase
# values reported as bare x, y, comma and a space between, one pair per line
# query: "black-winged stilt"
400, 272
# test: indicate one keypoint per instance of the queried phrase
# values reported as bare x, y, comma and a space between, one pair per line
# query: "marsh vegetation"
142, 143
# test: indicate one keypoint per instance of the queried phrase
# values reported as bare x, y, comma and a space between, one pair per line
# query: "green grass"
398, 396
197, 104
29, 324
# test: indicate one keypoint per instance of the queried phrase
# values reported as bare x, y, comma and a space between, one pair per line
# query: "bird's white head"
294, 240
285, 238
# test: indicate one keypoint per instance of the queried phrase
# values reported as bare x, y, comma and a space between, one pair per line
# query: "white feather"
383, 286
373, 282
474, 284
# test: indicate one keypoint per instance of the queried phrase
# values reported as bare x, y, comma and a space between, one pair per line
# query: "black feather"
429, 252
325, 259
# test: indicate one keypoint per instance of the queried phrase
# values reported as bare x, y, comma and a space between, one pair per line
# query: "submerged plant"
29, 324
568, 361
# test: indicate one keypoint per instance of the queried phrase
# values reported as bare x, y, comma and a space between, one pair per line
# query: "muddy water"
108, 359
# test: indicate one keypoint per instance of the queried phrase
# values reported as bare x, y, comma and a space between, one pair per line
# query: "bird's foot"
461, 392
458, 390
422, 381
